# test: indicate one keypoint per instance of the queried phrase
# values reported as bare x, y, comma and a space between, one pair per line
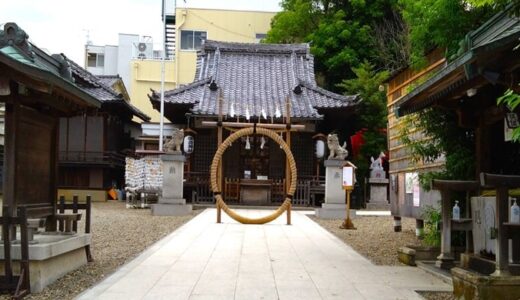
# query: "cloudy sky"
62, 26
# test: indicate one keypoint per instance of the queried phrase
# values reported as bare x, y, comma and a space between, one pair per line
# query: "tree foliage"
443, 138
440, 23
341, 32
372, 111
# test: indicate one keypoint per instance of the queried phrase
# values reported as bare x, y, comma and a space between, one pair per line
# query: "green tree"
372, 111
440, 23
341, 33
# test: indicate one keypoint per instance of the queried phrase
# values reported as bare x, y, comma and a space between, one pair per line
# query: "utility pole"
161, 124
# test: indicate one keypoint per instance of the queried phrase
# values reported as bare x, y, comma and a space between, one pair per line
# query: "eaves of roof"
500, 36
17, 61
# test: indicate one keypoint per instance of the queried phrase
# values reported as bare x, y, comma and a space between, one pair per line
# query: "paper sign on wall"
348, 176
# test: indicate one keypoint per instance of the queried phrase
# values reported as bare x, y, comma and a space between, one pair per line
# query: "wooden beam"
294, 127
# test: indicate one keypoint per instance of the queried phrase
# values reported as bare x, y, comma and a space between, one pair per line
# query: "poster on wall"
416, 191
408, 182
412, 187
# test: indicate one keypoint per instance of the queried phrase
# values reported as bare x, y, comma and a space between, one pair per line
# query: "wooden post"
347, 224
6, 228
75, 210
502, 241
61, 210
87, 227
219, 142
289, 214
24, 248
288, 140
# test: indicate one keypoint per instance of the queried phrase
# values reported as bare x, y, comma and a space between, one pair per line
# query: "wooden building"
402, 164
37, 90
487, 66
93, 146
255, 82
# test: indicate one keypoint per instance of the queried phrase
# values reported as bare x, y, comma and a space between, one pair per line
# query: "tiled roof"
255, 80
18, 53
109, 80
97, 87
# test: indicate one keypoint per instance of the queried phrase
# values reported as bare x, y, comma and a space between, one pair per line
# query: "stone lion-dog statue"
175, 142
336, 151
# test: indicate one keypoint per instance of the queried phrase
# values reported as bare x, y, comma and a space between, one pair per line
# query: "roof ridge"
91, 77
255, 47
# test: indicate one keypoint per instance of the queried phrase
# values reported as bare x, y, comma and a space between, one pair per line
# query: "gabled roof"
255, 80
96, 87
502, 30
17, 53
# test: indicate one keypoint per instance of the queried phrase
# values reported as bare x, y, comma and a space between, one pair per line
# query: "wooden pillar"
288, 141
219, 142
12, 111
502, 241
482, 148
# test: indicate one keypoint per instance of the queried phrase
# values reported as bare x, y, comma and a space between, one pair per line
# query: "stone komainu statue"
336, 151
175, 142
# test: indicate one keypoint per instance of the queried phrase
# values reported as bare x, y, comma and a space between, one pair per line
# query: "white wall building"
115, 59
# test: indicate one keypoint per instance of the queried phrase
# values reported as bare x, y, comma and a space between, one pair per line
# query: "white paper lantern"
320, 148
188, 144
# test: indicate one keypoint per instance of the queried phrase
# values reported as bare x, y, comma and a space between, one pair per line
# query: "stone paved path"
205, 260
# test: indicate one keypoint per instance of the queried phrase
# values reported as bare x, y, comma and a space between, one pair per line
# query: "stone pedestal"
50, 258
378, 194
334, 206
172, 203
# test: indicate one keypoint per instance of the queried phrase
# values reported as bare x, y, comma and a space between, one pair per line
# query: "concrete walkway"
205, 260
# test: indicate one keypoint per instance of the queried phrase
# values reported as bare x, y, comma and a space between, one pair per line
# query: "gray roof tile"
98, 88
255, 80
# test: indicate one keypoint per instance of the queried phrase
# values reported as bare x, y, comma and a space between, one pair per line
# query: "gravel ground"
119, 235
375, 239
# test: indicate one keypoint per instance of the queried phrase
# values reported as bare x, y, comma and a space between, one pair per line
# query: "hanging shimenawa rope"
218, 156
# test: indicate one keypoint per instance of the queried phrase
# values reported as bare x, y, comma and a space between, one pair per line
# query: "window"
95, 60
192, 40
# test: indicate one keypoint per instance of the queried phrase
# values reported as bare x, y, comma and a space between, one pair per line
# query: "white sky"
61, 26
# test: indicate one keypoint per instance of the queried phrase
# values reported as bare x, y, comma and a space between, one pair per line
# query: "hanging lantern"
319, 145
188, 144
320, 149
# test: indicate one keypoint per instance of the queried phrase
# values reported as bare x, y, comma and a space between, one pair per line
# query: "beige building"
192, 27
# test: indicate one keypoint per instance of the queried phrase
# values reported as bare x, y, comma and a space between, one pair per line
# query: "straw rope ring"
218, 156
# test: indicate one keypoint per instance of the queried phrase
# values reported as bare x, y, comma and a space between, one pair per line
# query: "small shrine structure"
37, 90
255, 83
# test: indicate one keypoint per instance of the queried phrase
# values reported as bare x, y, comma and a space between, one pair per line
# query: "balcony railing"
92, 157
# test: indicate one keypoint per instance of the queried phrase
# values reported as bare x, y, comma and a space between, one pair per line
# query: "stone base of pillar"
170, 209
445, 262
333, 211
